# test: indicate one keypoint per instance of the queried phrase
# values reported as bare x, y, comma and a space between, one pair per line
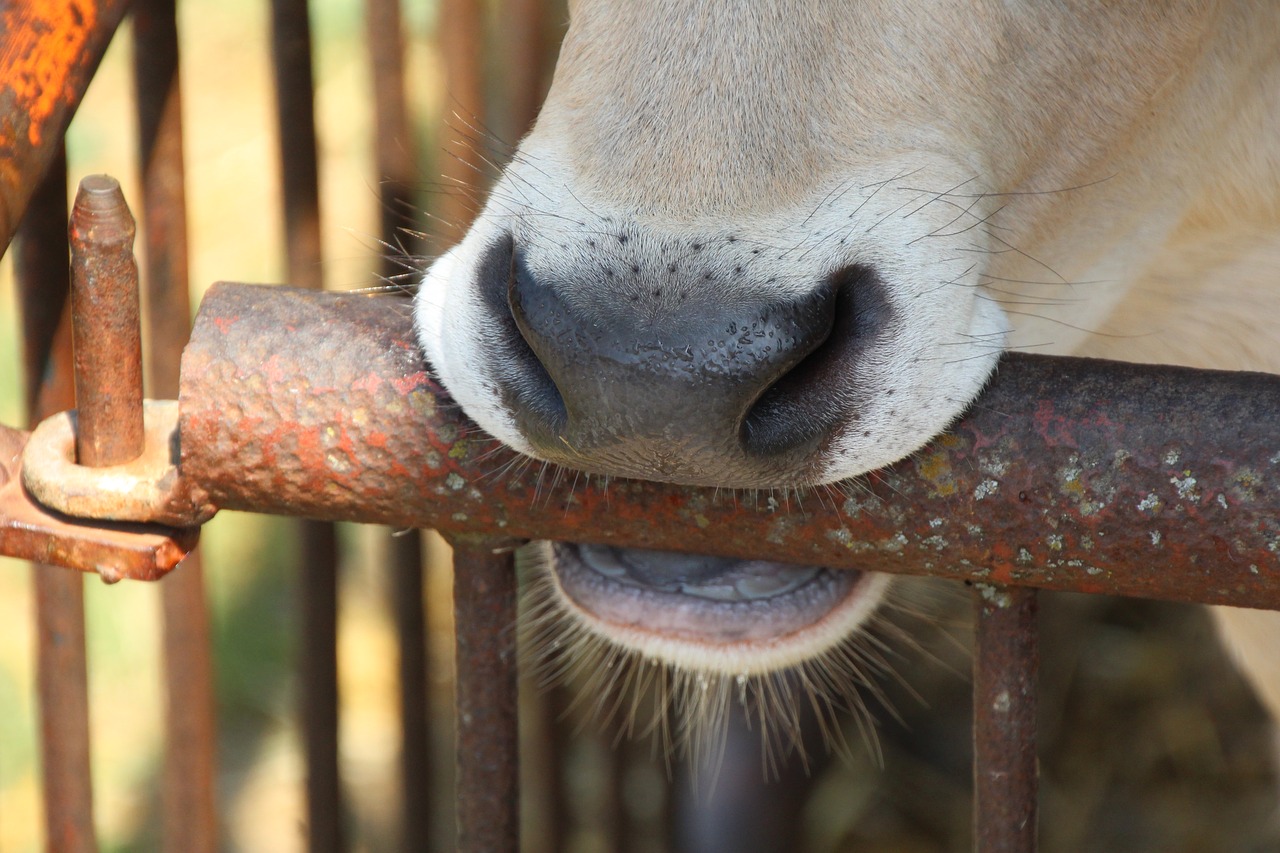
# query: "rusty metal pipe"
49, 51
1005, 773
484, 603
1075, 474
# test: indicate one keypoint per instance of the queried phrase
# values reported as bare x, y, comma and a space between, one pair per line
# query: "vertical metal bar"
108, 382
296, 128
318, 671
405, 562
1005, 771
558, 733
484, 603
107, 325
189, 819
460, 38
524, 25
64, 710
393, 144
318, 591
43, 275
396, 163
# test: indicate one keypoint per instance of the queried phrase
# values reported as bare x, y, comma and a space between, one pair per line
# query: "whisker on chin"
685, 711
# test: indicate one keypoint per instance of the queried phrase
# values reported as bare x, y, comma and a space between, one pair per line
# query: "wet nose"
690, 385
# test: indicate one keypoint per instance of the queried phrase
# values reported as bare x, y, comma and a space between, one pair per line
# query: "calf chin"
655, 654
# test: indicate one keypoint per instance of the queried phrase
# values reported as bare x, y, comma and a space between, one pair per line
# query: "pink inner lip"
706, 600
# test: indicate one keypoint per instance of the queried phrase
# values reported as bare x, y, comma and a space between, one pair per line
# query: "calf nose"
694, 384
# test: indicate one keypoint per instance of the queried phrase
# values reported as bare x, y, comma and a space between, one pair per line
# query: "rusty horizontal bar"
49, 50
1074, 474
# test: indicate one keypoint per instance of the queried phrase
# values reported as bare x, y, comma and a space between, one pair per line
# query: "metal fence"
1006, 534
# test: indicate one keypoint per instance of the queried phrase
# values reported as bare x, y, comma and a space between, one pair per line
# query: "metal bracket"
145, 489
135, 478
114, 550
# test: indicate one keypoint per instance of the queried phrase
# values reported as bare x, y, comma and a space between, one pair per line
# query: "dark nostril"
526, 387
694, 384
798, 412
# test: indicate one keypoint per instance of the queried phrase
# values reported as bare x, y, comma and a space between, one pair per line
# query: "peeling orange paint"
43, 44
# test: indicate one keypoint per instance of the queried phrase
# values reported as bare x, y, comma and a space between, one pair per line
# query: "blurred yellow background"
235, 234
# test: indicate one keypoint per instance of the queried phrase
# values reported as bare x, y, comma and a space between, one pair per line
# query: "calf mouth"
712, 614
665, 644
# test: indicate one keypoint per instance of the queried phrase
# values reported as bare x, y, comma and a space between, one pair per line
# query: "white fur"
1021, 174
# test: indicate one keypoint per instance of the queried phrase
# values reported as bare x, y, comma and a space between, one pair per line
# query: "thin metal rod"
404, 558
1005, 771
43, 275
484, 603
49, 51
1060, 477
318, 578
190, 817
63, 684
396, 165
462, 135
318, 674
296, 129
44, 298
525, 45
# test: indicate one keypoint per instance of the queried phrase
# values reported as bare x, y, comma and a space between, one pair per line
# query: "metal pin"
106, 325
